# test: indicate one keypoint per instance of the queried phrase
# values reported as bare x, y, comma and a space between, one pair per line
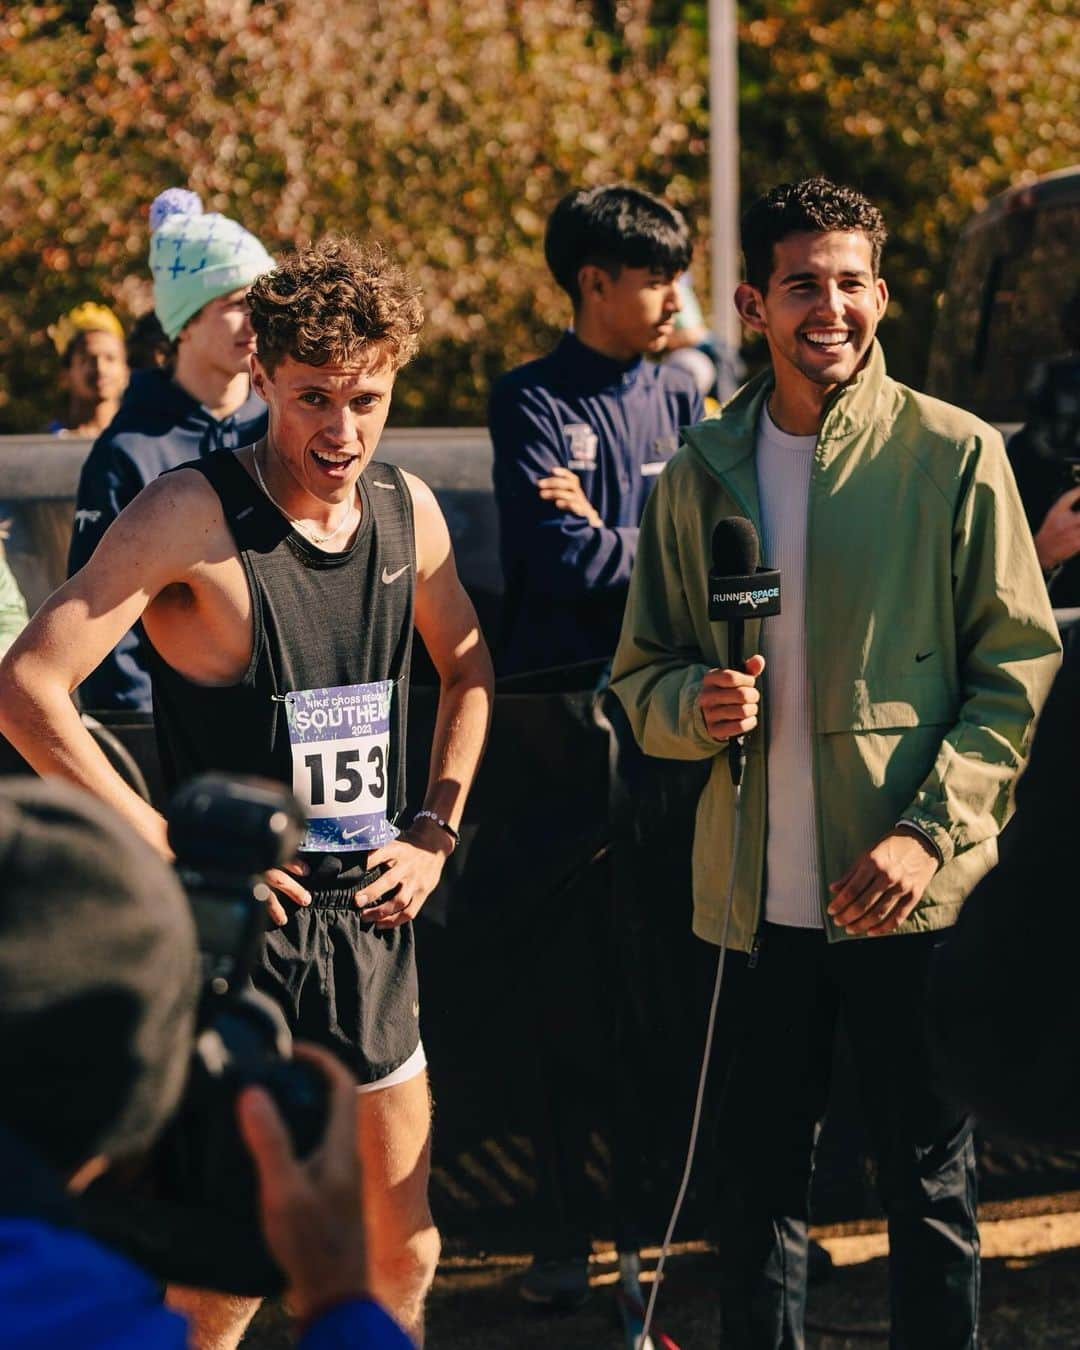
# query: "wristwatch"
442, 824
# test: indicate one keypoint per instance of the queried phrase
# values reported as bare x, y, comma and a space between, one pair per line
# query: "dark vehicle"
1015, 270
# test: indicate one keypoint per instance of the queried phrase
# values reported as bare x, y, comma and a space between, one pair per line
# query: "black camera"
188, 1213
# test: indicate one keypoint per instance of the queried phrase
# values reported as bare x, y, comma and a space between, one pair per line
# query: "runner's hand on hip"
288, 886
414, 863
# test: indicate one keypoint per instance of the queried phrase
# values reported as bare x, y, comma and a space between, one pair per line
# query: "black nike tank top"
330, 658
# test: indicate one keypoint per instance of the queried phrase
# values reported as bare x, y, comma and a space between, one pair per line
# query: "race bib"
340, 741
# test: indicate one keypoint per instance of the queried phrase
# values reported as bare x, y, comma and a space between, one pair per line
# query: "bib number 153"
345, 776
341, 769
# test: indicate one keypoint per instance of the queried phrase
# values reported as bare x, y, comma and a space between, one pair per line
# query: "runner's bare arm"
147, 548
447, 622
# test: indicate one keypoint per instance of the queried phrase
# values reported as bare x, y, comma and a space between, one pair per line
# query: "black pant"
779, 1022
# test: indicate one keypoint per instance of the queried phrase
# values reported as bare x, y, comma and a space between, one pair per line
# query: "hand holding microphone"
739, 589
729, 701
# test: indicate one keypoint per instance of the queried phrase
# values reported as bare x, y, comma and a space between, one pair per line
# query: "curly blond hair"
332, 302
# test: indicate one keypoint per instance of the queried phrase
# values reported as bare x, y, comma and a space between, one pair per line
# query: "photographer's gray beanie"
98, 976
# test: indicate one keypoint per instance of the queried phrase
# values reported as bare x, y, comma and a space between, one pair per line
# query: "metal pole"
724, 165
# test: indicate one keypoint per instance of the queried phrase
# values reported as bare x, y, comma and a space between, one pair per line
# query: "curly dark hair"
812, 206
333, 301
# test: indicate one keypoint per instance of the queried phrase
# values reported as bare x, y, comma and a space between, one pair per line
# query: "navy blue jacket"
158, 426
615, 424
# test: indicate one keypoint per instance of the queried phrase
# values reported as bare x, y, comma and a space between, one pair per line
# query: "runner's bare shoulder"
422, 496
432, 534
175, 525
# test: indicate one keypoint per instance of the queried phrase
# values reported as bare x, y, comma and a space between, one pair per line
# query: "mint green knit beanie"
197, 257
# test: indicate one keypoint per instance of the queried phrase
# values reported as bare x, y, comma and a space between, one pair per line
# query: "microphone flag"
739, 588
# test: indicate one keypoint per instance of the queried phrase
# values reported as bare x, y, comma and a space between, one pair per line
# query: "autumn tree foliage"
449, 128
446, 129
931, 108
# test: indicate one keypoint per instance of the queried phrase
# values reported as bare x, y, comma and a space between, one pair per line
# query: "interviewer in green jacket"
888, 714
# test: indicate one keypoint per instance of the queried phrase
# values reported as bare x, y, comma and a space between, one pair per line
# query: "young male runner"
202, 265
278, 587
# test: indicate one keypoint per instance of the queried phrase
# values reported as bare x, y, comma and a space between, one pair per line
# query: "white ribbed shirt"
792, 868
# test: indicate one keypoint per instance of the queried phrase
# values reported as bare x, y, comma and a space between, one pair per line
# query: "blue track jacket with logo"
615, 424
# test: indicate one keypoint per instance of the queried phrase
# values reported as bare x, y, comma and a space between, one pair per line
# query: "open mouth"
827, 339
332, 461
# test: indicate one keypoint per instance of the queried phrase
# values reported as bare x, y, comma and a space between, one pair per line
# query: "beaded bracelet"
442, 824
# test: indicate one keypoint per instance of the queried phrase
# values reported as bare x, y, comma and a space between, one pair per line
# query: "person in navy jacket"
98, 990
580, 437
580, 434
202, 264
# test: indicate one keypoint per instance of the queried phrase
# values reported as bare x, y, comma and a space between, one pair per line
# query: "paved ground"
1031, 1294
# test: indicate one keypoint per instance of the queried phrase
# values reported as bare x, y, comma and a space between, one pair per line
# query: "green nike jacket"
929, 637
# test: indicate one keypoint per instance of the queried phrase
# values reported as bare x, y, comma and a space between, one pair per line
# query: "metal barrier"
39, 476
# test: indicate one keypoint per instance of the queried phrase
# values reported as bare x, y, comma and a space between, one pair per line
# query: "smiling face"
628, 315
325, 422
819, 312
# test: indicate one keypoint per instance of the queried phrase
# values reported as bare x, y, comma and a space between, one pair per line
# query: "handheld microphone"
739, 589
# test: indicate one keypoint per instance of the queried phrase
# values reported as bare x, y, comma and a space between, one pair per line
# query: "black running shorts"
344, 984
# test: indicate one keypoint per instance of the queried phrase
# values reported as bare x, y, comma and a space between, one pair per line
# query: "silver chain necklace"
305, 530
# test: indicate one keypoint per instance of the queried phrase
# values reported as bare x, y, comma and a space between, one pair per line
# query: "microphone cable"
702, 1078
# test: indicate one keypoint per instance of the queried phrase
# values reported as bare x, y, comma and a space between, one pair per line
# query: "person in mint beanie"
202, 265
197, 258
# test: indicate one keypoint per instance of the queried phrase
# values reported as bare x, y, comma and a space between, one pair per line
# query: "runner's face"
821, 309
98, 370
325, 421
221, 333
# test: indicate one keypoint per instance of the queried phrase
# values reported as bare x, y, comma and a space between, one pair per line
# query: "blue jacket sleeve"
109, 481
358, 1325
562, 553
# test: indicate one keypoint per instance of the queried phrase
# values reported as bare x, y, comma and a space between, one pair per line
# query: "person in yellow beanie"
89, 341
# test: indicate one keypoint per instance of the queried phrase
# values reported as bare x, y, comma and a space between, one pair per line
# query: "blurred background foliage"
450, 129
